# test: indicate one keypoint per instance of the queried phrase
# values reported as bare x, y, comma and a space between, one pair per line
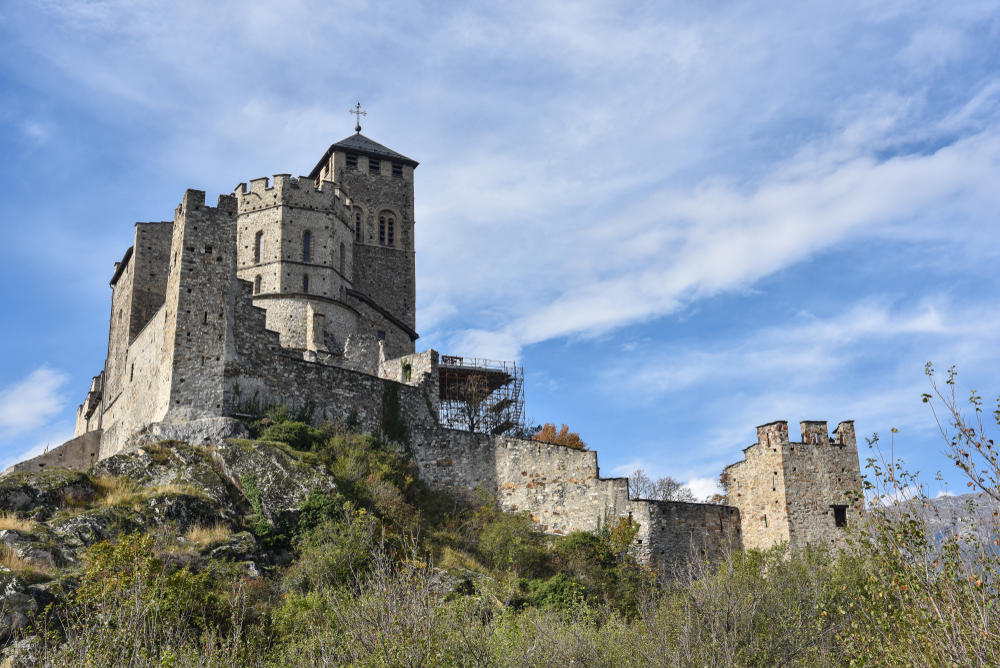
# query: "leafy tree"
563, 436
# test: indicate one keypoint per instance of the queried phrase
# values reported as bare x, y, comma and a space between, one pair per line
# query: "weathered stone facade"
563, 491
301, 292
800, 493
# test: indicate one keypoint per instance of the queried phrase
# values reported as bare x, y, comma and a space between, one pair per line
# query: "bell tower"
379, 183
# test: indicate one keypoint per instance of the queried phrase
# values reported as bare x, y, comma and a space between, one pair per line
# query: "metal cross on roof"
358, 113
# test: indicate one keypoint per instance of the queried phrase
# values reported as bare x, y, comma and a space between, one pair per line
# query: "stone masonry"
800, 493
301, 292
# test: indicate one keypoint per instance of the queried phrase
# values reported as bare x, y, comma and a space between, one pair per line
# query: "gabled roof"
358, 143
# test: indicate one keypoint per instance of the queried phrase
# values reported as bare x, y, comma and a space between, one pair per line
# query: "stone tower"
800, 493
379, 182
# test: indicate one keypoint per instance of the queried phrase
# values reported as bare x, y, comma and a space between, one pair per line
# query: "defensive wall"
562, 490
76, 454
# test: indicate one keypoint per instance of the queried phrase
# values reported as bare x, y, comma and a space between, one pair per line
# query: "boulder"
32, 547
269, 476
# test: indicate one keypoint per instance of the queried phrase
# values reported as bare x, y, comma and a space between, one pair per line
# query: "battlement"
194, 200
285, 190
814, 432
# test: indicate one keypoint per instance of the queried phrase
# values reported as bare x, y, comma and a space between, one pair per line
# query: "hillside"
321, 546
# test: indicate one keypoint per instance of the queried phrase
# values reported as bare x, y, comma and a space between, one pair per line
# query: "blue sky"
685, 220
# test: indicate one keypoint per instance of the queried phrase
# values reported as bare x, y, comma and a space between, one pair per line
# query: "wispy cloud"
28, 403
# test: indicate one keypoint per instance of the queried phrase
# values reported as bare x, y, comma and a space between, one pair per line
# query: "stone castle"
301, 292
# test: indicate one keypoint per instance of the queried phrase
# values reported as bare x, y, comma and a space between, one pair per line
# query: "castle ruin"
301, 292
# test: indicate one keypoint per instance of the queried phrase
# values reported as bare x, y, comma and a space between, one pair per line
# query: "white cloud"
28, 403
943, 492
703, 488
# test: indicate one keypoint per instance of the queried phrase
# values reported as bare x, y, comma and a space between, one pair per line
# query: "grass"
119, 492
208, 535
12, 521
28, 568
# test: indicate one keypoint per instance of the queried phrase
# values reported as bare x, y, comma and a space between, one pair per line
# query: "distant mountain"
971, 515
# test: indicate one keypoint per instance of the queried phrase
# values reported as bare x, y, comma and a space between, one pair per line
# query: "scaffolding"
481, 395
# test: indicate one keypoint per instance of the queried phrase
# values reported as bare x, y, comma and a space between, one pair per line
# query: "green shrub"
512, 543
335, 551
298, 435
559, 592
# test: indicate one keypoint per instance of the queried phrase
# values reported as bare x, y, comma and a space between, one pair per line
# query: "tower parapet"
802, 492
284, 190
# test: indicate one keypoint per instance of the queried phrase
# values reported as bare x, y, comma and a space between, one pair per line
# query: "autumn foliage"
564, 436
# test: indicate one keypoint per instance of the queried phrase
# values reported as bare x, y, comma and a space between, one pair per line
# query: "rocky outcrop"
40, 492
203, 431
199, 501
178, 465
268, 475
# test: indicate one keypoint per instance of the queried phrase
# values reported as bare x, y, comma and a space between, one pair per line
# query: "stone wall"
788, 491
821, 473
151, 258
562, 491
674, 532
145, 391
260, 372
77, 454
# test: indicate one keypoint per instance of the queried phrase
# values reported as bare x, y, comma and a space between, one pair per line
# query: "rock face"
39, 492
178, 465
269, 476
203, 431
197, 500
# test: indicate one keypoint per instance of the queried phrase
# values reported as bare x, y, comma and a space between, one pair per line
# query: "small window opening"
131, 373
357, 225
307, 246
397, 170
765, 520
352, 161
840, 516
305, 283
256, 285
391, 231
374, 166
204, 318
208, 250
256, 246
407, 373
380, 335
381, 230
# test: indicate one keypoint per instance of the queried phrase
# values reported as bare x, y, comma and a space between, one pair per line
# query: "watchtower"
800, 493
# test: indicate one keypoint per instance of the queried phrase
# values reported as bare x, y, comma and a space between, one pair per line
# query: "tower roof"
358, 143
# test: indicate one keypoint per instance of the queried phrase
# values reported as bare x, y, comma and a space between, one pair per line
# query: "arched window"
256, 285
386, 229
358, 235
307, 246
343, 261
305, 283
256, 247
